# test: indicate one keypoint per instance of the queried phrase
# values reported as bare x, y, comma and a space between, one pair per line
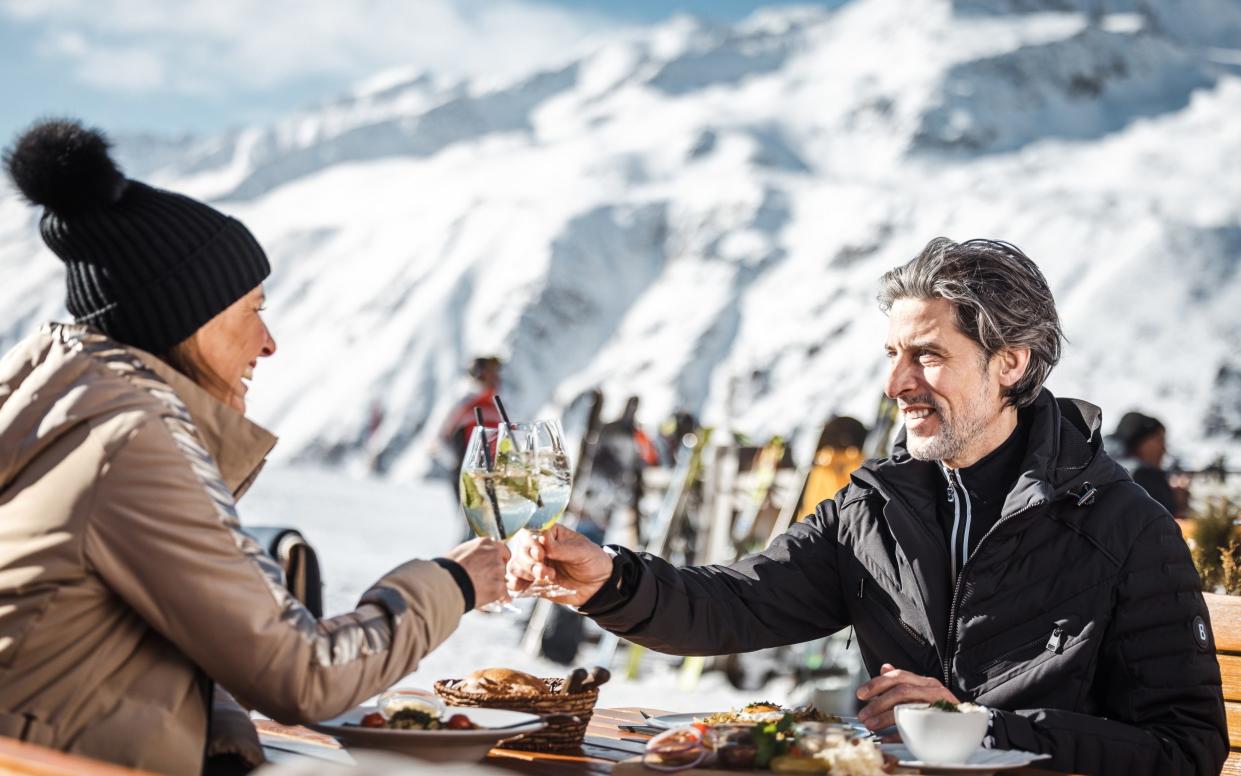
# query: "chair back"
1226, 624
298, 559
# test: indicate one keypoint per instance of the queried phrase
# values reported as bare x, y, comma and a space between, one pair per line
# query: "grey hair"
1001, 297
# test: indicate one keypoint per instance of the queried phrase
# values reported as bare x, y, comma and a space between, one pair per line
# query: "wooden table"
605, 746
18, 758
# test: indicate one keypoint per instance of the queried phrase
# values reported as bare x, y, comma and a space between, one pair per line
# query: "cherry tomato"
372, 720
459, 722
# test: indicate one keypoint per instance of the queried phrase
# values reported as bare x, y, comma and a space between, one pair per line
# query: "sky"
196, 66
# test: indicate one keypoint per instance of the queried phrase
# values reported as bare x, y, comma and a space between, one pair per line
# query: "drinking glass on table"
498, 493
553, 474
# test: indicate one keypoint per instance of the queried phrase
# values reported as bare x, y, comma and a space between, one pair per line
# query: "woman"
128, 594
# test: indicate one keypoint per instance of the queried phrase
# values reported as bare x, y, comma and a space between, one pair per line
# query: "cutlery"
551, 719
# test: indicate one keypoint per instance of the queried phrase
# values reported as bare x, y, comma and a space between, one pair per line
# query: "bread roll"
502, 681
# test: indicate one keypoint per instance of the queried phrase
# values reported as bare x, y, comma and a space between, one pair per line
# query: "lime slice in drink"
470, 496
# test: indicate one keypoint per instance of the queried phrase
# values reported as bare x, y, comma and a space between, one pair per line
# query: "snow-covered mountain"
698, 214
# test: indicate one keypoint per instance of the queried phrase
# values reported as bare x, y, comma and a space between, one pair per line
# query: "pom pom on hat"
65, 167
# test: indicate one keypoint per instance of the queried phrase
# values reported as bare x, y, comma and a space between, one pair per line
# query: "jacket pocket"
874, 592
1033, 647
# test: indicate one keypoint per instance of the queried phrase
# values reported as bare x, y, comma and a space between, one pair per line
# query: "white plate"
982, 761
434, 745
668, 721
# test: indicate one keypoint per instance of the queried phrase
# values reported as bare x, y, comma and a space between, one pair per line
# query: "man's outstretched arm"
786, 594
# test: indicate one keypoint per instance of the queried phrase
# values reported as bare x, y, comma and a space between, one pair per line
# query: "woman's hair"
1001, 297
186, 358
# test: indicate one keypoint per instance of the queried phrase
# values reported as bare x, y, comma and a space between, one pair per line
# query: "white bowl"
398, 698
938, 736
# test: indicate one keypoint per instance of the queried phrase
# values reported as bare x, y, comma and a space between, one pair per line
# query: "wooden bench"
1226, 624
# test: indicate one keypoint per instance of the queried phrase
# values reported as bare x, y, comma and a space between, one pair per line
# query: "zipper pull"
1056, 641
861, 584
1085, 495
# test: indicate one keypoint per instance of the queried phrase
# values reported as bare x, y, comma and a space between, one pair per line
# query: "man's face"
948, 392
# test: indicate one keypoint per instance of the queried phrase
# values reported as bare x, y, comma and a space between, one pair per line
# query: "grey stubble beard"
950, 441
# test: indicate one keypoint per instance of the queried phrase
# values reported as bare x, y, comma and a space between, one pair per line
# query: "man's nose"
900, 379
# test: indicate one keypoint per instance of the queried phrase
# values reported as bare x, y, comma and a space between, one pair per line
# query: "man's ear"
1012, 364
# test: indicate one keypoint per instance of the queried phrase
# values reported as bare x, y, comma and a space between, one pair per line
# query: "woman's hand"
563, 556
894, 686
483, 560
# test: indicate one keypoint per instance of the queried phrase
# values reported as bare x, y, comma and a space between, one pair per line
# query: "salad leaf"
772, 739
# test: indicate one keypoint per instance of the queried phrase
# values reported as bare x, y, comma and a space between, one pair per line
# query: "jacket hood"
67, 375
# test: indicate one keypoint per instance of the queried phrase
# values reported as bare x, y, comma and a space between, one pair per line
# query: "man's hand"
894, 686
559, 555
483, 560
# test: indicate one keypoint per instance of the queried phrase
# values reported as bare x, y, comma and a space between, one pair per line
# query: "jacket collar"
1064, 442
239, 445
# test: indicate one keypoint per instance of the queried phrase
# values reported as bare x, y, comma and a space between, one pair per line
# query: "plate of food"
782, 746
416, 723
759, 711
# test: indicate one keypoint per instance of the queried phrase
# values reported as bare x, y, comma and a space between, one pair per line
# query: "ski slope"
698, 214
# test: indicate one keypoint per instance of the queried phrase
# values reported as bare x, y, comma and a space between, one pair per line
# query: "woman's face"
230, 345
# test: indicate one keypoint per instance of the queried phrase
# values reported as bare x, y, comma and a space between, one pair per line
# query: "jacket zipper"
895, 612
1055, 645
1056, 642
950, 643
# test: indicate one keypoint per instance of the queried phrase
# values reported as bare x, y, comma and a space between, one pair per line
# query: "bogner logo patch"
1201, 637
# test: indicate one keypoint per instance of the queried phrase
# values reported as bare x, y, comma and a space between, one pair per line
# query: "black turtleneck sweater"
972, 498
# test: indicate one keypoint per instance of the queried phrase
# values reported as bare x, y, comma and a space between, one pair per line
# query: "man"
999, 556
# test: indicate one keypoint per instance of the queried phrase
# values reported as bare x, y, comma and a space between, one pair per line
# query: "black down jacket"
1078, 619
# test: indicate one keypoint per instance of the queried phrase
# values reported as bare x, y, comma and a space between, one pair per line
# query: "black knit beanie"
145, 266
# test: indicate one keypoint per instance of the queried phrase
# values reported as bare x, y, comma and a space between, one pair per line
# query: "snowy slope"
698, 214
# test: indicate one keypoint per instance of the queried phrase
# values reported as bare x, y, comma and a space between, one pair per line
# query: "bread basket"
555, 737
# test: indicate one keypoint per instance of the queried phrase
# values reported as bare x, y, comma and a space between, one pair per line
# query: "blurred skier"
455, 431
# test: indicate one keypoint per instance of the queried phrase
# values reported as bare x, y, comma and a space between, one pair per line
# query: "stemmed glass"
498, 493
543, 444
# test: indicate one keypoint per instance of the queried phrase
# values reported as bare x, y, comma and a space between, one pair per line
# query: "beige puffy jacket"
126, 587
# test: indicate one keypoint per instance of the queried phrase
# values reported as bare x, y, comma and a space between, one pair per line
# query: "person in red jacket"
455, 432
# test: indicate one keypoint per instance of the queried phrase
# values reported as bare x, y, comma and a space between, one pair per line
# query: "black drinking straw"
538, 497
500, 406
490, 486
